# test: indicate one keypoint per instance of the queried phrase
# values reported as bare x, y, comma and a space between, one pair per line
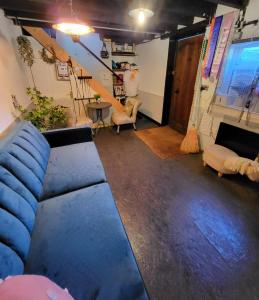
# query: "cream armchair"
121, 118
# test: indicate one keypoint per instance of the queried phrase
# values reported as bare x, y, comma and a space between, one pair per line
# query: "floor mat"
163, 141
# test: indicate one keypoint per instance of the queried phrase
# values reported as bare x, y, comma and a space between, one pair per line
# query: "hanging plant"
48, 59
26, 52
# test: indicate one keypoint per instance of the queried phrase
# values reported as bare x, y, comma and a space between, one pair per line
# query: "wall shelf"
119, 70
123, 53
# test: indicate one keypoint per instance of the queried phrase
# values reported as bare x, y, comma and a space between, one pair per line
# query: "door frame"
195, 29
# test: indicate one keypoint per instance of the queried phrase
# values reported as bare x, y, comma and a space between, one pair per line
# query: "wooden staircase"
46, 41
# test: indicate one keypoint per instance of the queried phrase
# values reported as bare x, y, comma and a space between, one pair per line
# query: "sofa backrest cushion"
14, 234
24, 155
14, 184
17, 206
17, 216
10, 262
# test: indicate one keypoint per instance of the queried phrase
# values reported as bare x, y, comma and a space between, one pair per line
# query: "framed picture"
119, 90
62, 71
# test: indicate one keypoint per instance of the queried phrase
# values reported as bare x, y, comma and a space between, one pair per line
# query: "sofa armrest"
68, 136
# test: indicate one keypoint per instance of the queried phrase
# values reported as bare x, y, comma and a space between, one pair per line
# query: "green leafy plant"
48, 59
44, 114
26, 52
97, 96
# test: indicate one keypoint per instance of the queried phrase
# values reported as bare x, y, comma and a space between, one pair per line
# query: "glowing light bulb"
141, 17
141, 14
72, 27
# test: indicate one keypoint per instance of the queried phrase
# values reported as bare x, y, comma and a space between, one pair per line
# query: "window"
239, 80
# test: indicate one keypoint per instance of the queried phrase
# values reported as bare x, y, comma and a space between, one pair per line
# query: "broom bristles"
190, 143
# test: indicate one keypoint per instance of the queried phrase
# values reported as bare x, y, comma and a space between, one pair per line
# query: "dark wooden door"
186, 65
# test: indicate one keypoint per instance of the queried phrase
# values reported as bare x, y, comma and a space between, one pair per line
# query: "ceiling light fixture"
72, 26
141, 14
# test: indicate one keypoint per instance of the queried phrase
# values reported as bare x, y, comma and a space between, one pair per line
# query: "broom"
190, 143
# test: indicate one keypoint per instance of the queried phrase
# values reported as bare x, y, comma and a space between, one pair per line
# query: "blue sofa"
58, 217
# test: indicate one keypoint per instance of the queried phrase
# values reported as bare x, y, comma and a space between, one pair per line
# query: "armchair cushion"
128, 108
72, 167
136, 105
121, 118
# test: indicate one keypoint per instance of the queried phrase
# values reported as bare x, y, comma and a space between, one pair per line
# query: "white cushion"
254, 176
120, 118
237, 164
215, 156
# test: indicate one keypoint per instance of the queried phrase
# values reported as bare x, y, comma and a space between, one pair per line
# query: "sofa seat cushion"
72, 167
79, 242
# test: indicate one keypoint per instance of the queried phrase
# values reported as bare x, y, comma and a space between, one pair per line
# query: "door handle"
176, 91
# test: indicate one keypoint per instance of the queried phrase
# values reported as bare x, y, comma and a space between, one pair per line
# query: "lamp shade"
73, 27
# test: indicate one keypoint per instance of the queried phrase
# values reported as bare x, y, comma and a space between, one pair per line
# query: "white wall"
46, 79
95, 68
252, 13
222, 114
152, 62
13, 78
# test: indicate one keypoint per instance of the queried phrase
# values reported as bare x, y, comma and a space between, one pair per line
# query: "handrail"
77, 40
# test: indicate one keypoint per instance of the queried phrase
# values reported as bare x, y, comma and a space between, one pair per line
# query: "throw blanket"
244, 166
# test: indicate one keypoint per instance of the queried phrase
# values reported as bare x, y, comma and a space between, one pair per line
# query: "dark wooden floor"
195, 236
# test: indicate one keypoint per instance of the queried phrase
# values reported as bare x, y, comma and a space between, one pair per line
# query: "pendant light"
141, 14
72, 26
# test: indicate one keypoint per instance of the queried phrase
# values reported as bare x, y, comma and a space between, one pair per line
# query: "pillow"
254, 176
31, 287
253, 171
236, 164
244, 166
128, 108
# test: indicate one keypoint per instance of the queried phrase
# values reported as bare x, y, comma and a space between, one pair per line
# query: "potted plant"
97, 98
44, 114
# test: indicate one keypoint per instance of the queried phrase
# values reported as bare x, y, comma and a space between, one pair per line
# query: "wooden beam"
240, 4
179, 12
158, 23
46, 41
194, 29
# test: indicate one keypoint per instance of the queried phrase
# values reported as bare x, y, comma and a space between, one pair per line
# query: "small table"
99, 107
